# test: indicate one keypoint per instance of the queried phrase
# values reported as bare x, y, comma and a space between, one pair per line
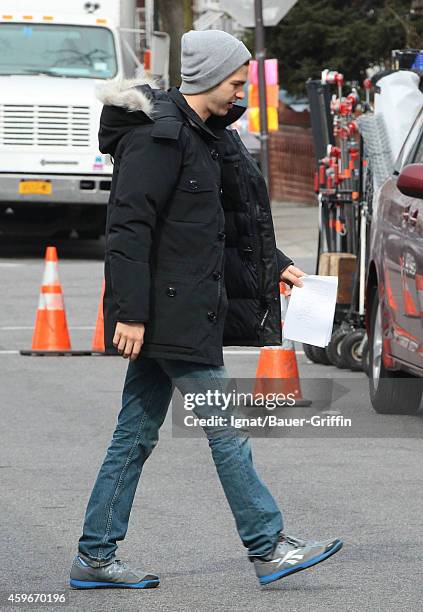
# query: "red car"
395, 284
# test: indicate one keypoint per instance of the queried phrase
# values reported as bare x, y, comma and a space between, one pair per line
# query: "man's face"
221, 98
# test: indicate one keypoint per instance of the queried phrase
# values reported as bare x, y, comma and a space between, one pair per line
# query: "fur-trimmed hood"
130, 103
127, 103
130, 94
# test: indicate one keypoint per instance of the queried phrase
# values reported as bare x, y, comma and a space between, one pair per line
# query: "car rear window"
414, 140
418, 158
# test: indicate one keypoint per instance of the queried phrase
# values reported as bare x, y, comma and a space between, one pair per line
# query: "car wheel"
352, 350
387, 388
333, 349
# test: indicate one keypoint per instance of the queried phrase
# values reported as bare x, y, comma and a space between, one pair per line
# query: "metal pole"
260, 57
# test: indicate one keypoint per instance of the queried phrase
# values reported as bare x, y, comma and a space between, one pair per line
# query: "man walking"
191, 265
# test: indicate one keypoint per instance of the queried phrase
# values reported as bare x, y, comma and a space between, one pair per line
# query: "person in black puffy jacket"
191, 265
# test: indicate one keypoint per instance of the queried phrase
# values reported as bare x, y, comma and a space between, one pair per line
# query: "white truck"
53, 179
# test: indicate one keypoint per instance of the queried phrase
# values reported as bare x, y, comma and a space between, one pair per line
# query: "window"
418, 157
59, 50
408, 148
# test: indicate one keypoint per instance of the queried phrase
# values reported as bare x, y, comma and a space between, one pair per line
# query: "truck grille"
46, 126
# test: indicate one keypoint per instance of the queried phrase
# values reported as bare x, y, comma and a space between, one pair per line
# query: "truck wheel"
319, 355
387, 388
333, 349
352, 350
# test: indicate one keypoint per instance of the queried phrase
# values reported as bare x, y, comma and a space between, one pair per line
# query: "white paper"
311, 311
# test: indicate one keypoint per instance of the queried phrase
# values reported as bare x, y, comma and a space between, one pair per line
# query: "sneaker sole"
301, 566
85, 584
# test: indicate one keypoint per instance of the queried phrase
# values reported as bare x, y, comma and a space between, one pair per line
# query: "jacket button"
171, 291
217, 275
221, 235
248, 251
214, 154
193, 184
212, 316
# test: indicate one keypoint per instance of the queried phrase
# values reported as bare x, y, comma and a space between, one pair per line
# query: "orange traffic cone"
51, 329
277, 368
98, 338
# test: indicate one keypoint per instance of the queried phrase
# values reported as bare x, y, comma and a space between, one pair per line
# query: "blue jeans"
146, 396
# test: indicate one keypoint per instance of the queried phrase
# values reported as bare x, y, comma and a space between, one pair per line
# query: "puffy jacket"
190, 246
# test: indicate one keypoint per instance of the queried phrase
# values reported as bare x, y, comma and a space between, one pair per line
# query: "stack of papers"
311, 311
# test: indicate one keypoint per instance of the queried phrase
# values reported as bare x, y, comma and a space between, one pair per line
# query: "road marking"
19, 327
225, 352
252, 352
241, 352
10, 265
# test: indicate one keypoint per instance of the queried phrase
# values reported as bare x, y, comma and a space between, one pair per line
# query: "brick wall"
292, 165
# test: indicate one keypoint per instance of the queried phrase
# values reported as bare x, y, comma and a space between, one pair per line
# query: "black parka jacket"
190, 246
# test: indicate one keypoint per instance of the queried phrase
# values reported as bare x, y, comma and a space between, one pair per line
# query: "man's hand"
292, 274
128, 339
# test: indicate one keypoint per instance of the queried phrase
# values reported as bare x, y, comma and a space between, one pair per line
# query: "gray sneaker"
292, 555
115, 574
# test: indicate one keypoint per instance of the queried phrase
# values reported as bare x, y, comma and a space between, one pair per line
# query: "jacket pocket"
195, 198
176, 304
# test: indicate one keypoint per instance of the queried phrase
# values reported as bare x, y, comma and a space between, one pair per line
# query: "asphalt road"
58, 415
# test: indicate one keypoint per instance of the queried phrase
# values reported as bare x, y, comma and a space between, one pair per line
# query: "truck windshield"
58, 50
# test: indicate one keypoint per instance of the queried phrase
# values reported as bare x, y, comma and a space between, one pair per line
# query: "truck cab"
53, 178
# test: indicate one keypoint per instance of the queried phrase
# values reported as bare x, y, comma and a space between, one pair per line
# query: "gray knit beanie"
208, 57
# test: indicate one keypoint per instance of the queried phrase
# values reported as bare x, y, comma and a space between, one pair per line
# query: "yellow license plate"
35, 187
